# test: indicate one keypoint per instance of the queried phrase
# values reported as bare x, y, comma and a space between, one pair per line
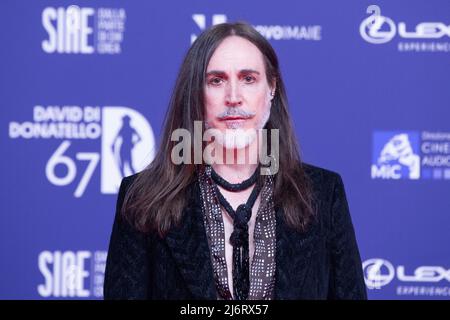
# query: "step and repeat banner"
84, 87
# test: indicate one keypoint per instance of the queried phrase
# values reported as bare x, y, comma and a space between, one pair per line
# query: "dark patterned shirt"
262, 269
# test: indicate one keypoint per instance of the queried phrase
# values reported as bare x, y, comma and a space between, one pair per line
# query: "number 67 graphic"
58, 157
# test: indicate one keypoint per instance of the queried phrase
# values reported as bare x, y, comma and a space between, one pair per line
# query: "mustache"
233, 112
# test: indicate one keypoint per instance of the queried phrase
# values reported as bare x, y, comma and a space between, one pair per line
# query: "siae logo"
395, 155
71, 274
76, 30
378, 29
65, 273
69, 30
200, 21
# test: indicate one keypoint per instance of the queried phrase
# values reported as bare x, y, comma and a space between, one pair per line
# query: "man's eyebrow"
216, 73
222, 73
249, 71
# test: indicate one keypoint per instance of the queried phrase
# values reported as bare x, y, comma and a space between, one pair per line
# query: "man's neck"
238, 165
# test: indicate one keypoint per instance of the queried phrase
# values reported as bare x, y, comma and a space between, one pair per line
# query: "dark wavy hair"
156, 198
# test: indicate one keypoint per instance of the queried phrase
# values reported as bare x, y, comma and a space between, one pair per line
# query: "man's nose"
233, 96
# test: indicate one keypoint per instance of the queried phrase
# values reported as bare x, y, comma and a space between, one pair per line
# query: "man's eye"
216, 81
249, 79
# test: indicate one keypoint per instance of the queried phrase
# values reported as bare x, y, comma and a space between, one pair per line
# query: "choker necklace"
234, 186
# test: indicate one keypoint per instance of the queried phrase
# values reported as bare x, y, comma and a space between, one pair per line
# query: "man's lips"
229, 118
234, 122
233, 118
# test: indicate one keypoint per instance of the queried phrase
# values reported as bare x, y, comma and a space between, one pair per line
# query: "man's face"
237, 94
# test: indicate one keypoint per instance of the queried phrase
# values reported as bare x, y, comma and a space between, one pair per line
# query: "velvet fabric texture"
321, 263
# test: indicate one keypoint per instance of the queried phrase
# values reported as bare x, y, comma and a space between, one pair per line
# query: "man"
230, 229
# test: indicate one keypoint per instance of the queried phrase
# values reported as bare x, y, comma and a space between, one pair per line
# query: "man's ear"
273, 87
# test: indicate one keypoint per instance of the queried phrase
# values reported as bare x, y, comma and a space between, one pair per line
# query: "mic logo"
395, 155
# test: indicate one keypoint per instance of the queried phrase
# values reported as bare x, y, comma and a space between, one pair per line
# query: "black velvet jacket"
322, 263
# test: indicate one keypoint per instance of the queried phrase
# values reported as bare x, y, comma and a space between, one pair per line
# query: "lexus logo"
378, 29
378, 273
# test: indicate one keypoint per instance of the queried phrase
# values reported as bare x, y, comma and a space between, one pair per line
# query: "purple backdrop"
84, 87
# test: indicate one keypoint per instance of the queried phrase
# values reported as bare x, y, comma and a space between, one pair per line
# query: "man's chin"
236, 139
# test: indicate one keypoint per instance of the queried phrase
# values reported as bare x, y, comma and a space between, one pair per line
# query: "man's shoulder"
319, 175
126, 182
314, 172
324, 182
327, 187
130, 179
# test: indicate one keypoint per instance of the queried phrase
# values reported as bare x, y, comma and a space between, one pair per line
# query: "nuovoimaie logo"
200, 21
127, 143
411, 155
269, 31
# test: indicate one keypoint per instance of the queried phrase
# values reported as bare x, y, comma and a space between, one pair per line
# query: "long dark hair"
156, 198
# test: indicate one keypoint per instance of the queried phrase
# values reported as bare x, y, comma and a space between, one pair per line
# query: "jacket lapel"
293, 252
189, 247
